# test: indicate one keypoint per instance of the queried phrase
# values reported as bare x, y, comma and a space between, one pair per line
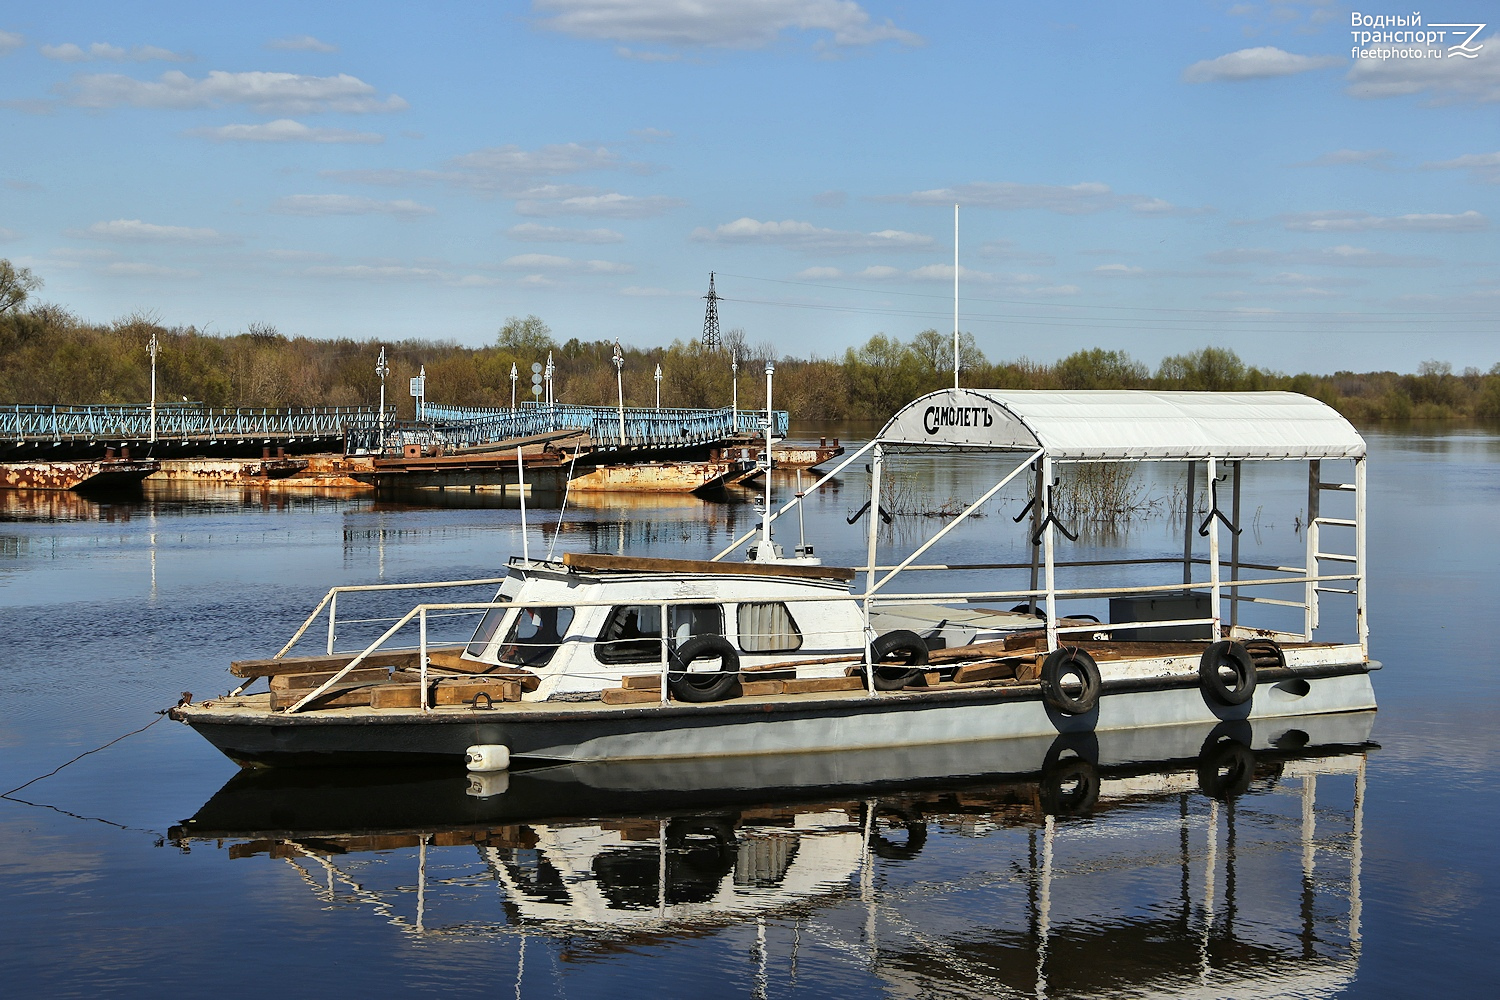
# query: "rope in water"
159, 716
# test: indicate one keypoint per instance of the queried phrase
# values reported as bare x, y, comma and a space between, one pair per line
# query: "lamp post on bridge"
513, 376
734, 382
658, 385
382, 369
547, 377
152, 348
619, 360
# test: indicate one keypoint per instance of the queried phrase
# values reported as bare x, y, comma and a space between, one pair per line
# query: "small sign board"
418, 385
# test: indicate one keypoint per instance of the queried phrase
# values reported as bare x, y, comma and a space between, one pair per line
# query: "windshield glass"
535, 636
490, 623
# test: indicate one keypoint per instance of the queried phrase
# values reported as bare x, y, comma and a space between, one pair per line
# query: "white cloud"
1067, 199
1446, 80
1259, 63
1482, 167
287, 93
284, 130
9, 42
1334, 221
549, 262
808, 238
530, 232
344, 204
1350, 157
944, 274
136, 269
136, 231
502, 168
507, 170
294, 255
880, 272
821, 274
70, 52
1119, 270
1294, 279
609, 205
300, 43
716, 23
1161, 208
1339, 256
376, 272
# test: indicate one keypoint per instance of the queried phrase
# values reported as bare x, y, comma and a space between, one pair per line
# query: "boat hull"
543, 732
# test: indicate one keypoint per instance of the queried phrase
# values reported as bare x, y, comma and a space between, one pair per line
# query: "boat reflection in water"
1174, 860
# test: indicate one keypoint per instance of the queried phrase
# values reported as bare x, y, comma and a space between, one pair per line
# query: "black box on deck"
1160, 608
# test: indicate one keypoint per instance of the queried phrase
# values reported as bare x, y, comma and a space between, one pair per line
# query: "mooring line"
159, 716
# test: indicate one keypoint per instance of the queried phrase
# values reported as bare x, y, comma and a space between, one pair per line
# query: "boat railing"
426, 612
422, 614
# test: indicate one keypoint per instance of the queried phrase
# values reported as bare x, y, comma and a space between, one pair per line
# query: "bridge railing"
22, 423
468, 427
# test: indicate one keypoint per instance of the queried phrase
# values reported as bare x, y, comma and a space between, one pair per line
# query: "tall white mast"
955, 296
766, 551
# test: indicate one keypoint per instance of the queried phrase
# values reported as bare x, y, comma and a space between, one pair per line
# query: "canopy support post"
1361, 594
870, 563
1314, 497
1234, 551
1036, 529
1214, 591
1044, 504
1188, 516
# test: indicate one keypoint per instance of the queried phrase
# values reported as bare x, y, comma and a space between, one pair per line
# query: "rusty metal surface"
75, 475
657, 477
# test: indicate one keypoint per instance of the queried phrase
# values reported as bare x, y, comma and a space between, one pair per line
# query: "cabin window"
768, 628
488, 625
633, 632
535, 636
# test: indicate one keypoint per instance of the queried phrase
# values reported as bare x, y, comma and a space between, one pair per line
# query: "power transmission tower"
711, 317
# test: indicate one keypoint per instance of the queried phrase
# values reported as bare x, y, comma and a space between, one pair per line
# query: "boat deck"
998, 664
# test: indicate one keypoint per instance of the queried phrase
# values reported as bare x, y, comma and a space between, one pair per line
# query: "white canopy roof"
1096, 425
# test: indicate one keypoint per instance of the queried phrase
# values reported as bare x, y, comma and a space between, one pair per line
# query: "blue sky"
1142, 176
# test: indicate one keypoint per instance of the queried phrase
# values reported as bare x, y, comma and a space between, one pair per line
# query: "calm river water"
1368, 871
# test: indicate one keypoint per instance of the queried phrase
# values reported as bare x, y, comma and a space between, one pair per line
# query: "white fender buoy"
488, 757
489, 784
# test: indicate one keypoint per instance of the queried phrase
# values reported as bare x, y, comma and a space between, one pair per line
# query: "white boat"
600, 658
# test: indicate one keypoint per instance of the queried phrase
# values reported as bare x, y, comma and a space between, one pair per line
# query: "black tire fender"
893, 850
1070, 661
1226, 766
1070, 787
907, 653
704, 685
1227, 673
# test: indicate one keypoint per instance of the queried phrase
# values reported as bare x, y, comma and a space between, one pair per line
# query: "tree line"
50, 356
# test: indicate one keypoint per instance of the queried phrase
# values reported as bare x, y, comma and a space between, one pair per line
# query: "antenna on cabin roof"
711, 317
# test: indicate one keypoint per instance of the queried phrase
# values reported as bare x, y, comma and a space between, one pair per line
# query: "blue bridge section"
44, 432
83, 427
474, 427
